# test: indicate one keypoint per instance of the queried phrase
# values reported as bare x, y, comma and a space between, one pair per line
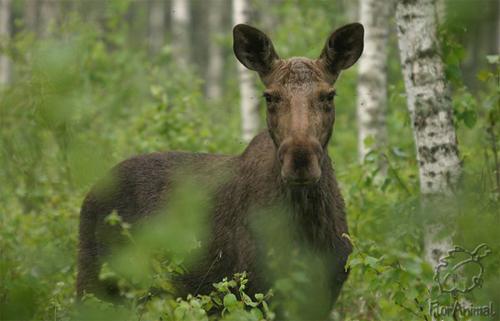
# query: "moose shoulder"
285, 165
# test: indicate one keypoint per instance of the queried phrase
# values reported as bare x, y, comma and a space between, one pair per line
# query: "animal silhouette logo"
461, 271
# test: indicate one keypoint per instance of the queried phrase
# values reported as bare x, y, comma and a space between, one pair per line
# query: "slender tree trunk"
215, 60
156, 25
248, 99
268, 18
372, 84
49, 10
441, 11
430, 108
498, 28
30, 14
351, 9
5, 13
181, 19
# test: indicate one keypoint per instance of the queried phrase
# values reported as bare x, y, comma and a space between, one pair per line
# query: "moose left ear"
343, 47
254, 49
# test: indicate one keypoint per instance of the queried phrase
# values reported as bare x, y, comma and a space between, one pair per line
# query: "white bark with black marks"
372, 83
49, 11
181, 18
156, 25
498, 30
5, 30
248, 94
441, 11
30, 14
430, 108
215, 63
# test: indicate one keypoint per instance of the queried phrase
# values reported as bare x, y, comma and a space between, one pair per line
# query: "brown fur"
286, 165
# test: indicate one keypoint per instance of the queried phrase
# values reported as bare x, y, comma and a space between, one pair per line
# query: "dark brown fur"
287, 165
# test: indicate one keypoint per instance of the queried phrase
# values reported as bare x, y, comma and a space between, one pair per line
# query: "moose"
287, 164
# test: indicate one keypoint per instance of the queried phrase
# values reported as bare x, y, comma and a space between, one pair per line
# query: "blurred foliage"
89, 95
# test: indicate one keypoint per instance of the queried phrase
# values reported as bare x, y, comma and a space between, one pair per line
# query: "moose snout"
300, 161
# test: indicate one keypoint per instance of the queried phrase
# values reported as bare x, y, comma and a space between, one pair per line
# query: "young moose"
287, 164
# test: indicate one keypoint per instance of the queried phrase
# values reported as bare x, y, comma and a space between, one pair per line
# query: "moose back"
286, 165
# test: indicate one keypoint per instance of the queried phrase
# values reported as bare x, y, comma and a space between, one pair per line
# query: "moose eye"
328, 97
271, 98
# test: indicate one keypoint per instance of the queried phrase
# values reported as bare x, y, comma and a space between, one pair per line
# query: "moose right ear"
343, 47
253, 49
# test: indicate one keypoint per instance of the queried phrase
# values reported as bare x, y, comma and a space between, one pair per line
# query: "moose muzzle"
300, 161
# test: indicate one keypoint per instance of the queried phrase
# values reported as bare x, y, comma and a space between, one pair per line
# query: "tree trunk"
351, 9
248, 99
497, 36
268, 19
180, 32
30, 14
5, 13
372, 84
430, 108
156, 25
48, 16
441, 11
215, 60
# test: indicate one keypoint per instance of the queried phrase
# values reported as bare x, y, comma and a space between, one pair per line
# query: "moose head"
299, 94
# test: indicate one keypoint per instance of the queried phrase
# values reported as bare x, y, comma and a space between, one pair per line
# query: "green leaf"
484, 75
371, 261
248, 301
257, 313
399, 297
354, 262
230, 301
259, 296
470, 118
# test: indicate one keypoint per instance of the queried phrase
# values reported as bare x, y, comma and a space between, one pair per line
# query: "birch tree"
180, 31
5, 13
372, 83
441, 11
430, 108
351, 9
215, 59
30, 14
498, 28
248, 99
156, 25
48, 15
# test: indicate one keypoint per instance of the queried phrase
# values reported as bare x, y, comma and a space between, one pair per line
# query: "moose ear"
253, 49
343, 47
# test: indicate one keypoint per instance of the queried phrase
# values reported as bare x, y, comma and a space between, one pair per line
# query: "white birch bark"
372, 69
156, 25
248, 99
498, 29
351, 9
430, 108
181, 19
5, 12
441, 11
215, 62
268, 15
48, 16
30, 14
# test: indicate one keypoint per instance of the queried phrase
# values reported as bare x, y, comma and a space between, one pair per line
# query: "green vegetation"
88, 96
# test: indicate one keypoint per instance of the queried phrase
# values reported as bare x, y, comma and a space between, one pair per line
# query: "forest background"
86, 84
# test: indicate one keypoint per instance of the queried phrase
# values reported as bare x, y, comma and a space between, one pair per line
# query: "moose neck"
311, 206
312, 209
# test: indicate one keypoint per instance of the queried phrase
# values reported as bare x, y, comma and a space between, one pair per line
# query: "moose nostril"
300, 159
